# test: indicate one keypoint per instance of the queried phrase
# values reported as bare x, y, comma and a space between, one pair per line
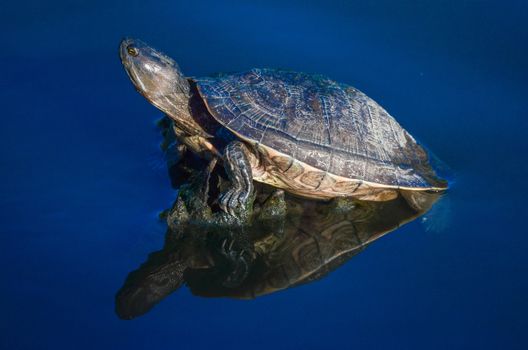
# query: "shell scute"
312, 178
282, 163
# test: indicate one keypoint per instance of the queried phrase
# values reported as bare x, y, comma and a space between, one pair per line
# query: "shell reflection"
290, 241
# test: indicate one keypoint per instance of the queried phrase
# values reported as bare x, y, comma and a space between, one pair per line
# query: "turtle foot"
235, 202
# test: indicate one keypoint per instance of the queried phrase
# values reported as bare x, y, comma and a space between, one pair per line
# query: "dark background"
82, 178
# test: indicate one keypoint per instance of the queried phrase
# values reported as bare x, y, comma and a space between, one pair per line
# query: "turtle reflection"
290, 241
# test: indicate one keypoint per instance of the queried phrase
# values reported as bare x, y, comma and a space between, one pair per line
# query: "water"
83, 179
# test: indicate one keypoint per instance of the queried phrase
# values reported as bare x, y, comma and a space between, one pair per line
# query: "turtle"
304, 133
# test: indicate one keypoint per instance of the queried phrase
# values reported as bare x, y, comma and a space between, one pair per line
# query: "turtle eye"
132, 51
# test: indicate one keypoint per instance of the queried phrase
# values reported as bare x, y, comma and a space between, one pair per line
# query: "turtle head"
157, 77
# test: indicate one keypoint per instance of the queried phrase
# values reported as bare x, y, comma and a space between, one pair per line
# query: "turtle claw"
243, 198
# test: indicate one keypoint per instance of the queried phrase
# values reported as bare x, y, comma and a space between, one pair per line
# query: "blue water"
83, 179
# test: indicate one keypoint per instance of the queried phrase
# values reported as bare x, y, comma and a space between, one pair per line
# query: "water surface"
83, 178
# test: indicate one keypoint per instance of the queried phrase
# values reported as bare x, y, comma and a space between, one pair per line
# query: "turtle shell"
314, 120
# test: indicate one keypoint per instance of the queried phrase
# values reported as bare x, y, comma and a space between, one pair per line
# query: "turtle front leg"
236, 199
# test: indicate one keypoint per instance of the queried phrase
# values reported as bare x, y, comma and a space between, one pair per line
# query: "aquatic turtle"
304, 133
